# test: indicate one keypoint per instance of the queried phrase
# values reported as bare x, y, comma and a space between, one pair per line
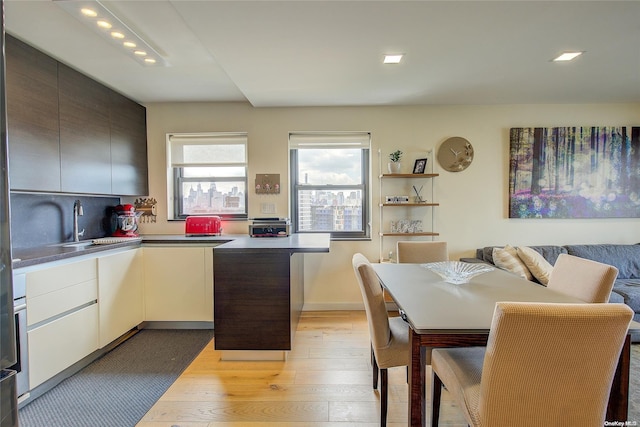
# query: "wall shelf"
409, 175
402, 184
426, 233
404, 205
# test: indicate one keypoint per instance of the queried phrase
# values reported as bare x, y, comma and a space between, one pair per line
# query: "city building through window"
207, 175
330, 183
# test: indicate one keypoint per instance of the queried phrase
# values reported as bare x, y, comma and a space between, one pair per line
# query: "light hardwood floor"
325, 382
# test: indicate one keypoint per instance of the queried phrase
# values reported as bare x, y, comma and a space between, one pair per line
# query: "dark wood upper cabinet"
85, 136
32, 118
67, 132
128, 147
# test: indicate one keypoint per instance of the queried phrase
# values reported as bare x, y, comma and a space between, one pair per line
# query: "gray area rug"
118, 389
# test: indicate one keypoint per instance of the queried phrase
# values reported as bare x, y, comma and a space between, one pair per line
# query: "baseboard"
176, 325
332, 306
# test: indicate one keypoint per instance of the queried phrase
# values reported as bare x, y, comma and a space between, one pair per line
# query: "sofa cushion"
616, 297
539, 267
549, 252
487, 253
630, 291
507, 259
626, 258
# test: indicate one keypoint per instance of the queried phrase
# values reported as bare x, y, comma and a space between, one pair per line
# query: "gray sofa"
626, 258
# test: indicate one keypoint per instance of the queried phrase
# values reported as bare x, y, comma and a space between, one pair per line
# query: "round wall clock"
455, 154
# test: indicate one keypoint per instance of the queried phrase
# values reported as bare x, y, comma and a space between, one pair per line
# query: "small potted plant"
394, 165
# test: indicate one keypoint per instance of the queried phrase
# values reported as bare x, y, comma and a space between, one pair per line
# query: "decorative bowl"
457, 272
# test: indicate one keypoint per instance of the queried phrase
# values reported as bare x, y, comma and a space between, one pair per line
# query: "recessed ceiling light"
89, 12
393, 59
104, 24
99, 18
567, 56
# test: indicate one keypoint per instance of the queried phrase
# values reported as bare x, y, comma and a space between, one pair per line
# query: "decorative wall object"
574, 172
148, 208
455, 154
418, 197
406, 226
268, 183
419, 165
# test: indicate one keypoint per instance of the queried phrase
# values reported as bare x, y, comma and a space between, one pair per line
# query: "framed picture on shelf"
420, 166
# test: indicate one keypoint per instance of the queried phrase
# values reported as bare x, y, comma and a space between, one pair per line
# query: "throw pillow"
507, 259
536, 263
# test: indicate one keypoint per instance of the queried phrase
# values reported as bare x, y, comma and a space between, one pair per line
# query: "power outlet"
267, 208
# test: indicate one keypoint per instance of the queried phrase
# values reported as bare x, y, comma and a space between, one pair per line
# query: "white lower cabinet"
59, 344
77, 307
120, 293
178, 283
62, 317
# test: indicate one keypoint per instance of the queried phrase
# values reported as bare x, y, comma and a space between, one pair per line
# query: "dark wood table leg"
617, 409
423, 380
417, 403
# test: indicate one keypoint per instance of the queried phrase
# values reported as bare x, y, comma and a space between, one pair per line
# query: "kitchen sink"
83, 244
92, 243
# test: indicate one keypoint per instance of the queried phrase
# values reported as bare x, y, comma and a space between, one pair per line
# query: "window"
330, 183
207, 175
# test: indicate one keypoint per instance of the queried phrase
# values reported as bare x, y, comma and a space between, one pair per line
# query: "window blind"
329, 140
207, 149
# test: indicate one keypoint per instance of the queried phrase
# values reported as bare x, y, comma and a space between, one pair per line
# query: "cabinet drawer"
59, 344
56, 290
47, 280
46, 306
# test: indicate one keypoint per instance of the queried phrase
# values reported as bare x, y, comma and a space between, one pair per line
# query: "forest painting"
574, 172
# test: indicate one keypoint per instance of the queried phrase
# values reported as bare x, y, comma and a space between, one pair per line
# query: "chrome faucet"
77, 211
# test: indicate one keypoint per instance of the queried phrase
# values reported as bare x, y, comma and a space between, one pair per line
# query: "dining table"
443, 314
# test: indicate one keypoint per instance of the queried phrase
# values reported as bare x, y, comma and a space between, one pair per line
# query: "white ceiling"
329, 53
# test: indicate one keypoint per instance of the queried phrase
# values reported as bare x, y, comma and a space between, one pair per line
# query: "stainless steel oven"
20, 312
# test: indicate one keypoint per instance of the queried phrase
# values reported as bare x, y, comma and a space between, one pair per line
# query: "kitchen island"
259, 293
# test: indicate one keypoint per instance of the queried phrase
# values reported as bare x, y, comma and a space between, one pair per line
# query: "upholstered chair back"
419, 252
551, 364
591, 281
390, 345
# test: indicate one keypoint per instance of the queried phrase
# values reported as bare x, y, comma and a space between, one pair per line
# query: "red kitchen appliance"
209, 225
127, 221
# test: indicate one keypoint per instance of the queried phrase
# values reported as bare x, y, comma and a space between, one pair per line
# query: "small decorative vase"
394, 167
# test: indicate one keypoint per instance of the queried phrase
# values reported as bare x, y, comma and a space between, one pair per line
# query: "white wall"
473, 208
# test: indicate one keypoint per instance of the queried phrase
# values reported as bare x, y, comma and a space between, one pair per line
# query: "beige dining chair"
389, 335
419, 252
582, 278
545, 364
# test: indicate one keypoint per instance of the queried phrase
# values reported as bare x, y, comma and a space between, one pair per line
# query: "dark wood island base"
259, 291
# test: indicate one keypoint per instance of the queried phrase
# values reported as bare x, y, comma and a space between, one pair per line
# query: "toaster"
209, 225
269, 227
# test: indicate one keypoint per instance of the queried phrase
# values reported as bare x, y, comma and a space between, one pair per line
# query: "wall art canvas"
574, 172
268, 183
